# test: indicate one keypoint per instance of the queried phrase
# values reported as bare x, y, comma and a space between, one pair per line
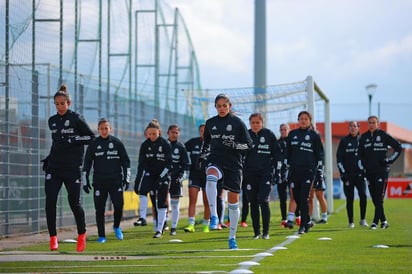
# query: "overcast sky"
344, 45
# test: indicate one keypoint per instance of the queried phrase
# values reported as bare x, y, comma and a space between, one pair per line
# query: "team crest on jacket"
262, 139
378, 138
160, 149
307, 137
67, 123
111, 145
176, 151
229, 127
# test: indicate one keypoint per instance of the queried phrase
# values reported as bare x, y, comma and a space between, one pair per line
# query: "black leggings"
53, 184
348, 189
377, 189
101, 193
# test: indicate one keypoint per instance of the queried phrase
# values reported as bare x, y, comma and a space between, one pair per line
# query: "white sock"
325, 216
175, 211
143, 206
291, 216
222, 215
211, 192
234, 215
191, 220
161, 217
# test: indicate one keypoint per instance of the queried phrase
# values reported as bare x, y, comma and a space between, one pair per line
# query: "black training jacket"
70, 133
347, 155
219, 130
109, 159
304, 150
263, 154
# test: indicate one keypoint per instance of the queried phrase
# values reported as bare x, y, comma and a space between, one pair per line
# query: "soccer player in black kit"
281, 180
111, 173
375, 161
347, 159
69, 132
259, 163
155, 160
226, 138
180, 164
197, 182
305, 158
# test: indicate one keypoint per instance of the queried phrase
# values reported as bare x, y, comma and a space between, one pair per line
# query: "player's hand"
86, 183
45, 162
125, 185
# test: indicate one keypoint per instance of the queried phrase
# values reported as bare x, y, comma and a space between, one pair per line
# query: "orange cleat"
283, 224
81, 242
54, 245
298, 221
243, 224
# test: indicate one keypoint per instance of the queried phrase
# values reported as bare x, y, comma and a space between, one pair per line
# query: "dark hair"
256, 114
201, 125
282, 125
62, 92
222, 96
101, 121
305, 112
153, 124
173, 126
373, 117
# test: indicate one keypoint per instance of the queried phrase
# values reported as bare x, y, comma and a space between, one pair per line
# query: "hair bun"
63, 88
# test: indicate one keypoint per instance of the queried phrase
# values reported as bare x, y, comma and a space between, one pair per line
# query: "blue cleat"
214, 221
118, 232
101, 240
232, 243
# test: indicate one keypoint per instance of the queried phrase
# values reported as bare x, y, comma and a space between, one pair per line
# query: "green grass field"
347, 251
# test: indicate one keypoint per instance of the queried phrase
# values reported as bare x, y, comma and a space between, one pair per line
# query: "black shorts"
176, 188
231, 179
197, 182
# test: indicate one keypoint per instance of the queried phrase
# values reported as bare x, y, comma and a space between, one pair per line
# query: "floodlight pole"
370, 89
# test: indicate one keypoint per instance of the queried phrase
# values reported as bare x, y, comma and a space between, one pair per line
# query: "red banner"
399, 188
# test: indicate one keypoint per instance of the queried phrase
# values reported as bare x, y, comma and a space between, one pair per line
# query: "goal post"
282, 103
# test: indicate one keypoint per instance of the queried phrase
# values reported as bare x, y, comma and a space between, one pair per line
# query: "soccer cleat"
385, 225
363, 223
283, 224
222, 225
351, 225
265, 237
298, 221
173, 232
256, 237
232, 243
205, 228
373, 226
118, 232
189, 228
289, 224
81, 242
140, 222
158, 234
54, 245
301, 230
243, 224
322, 221
214, 221
101, 240
219, 227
